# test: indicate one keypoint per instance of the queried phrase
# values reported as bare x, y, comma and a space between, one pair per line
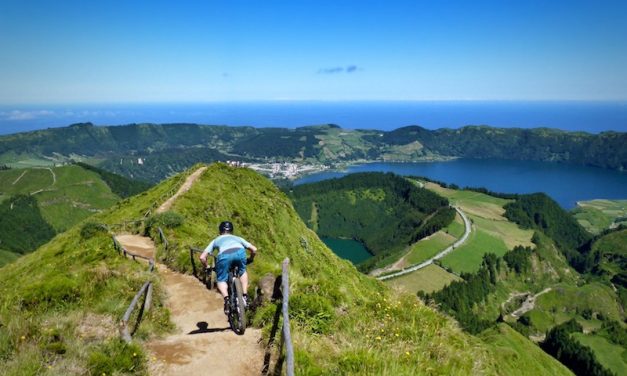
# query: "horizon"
147, 52
589, 116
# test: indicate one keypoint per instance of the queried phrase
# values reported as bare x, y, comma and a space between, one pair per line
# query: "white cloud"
18, 115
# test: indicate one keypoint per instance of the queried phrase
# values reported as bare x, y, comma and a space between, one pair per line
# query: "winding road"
449, 249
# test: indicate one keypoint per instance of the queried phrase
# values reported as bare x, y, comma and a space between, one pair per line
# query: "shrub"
168, 219
90, 229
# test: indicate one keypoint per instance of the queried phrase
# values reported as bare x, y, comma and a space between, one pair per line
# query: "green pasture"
24, 181
571, 299
467, 258
428, 247
509, 232
428, 279
508, 344
456, 228
606, 352
597, 215
473, 203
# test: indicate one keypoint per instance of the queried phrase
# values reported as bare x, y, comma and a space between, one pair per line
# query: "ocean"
593, 117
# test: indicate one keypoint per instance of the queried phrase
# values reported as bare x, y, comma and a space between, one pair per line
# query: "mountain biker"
231, 249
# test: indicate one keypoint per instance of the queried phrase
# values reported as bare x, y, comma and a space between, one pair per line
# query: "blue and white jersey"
227, 243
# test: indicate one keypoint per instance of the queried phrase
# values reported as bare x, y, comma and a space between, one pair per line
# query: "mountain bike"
237, 307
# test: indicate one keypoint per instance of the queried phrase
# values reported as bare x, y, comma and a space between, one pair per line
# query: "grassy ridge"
343, 322
373, 332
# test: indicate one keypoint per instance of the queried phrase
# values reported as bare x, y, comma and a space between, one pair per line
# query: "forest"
539, 212
385, 212
22, 226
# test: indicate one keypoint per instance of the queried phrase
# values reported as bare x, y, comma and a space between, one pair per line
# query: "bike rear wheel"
237, 317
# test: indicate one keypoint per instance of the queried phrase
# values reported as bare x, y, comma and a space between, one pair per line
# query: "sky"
155, 51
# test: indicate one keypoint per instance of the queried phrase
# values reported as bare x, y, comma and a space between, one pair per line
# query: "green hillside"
385, 212
51, 200
342, 321
168, 148
598, 215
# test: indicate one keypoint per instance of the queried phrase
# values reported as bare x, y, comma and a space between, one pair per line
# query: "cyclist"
231, 249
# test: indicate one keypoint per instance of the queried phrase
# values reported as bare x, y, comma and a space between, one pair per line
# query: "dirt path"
184, 188
529, 303
203, 343
19, 177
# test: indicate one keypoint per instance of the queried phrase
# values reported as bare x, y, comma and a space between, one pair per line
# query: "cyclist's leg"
240, 261
223, 264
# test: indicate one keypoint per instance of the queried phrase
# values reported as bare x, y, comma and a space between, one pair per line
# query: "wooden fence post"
287, 335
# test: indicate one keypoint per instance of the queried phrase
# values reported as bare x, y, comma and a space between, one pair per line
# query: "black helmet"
225, 226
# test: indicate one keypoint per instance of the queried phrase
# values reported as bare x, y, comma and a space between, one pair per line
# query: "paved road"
467, 230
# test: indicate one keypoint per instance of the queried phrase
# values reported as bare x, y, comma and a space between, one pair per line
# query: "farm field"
598, 215
428, 279
467, 258
605, 352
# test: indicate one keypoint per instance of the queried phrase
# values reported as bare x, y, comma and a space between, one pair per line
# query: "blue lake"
565, 183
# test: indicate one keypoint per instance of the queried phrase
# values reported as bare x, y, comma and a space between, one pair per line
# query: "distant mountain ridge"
168, 148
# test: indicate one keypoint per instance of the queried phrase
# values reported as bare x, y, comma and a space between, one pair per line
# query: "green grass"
343, 322
428, 279
509, 232
467, 258
475, 203
75, 195
572, 299
428, 247
456, 228
516, 355
610, 355
30, 180
6, 257
597, 215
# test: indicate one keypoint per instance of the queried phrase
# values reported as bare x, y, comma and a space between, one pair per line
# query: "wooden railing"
145, 307
198, 271
287, 334
145, 290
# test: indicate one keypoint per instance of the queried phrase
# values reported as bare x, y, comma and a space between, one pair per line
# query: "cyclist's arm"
203, 255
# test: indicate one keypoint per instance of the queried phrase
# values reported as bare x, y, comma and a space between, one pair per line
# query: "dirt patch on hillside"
184, 188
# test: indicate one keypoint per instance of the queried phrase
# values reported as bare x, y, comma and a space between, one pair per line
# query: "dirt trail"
203, 343
529, 303
184, 188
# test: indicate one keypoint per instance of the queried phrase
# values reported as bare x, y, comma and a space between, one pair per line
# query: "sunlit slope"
59, 305
343, 322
